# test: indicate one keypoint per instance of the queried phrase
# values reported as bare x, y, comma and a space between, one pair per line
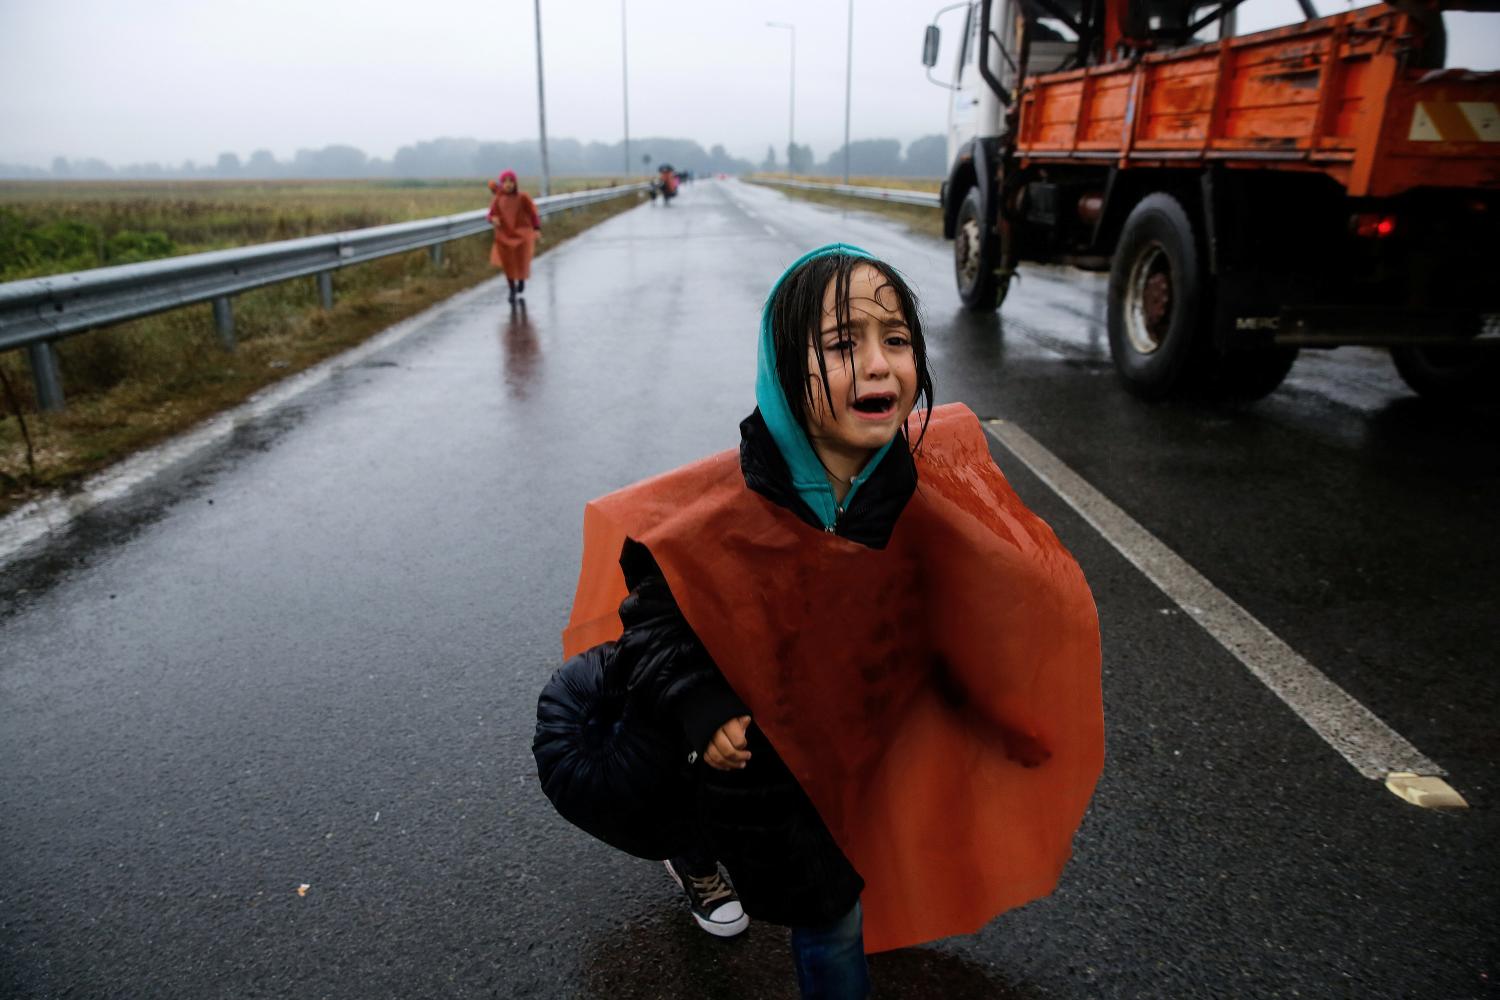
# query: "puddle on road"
522, 359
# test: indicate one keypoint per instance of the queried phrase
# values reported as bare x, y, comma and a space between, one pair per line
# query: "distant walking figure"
517, 226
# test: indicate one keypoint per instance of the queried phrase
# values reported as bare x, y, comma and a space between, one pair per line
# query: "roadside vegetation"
916, 218
931, 184
136, 384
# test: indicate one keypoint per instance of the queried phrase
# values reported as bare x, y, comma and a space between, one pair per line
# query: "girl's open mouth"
875, 405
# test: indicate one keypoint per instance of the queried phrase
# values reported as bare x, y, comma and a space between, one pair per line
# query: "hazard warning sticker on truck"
1455, 121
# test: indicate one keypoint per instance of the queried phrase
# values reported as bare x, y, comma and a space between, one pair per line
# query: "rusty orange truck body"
1324, 183
1331, 96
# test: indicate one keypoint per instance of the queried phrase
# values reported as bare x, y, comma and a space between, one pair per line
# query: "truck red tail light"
1372, 225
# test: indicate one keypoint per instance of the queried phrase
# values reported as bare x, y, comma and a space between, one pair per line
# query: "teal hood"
809, 477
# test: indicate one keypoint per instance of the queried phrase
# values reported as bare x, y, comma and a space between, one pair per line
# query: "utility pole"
541, 100
625, 85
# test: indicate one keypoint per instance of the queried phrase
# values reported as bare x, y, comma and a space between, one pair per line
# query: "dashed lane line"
1373, 748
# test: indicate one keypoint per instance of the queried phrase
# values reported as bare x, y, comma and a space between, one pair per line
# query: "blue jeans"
831, 960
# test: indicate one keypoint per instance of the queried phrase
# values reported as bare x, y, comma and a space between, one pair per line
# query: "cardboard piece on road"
1424, 790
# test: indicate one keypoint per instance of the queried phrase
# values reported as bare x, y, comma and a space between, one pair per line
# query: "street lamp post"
791, 116
541, 101
625, 86
848, 88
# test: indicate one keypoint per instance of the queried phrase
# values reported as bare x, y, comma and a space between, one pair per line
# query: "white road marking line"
768, 229
1372, 747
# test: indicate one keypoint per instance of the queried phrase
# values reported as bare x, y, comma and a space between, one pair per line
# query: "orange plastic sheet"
938, 700
515, 239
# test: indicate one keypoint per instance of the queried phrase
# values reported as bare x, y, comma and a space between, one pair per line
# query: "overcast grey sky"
168, 80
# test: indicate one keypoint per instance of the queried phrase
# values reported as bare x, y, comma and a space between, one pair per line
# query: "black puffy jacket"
757, 821
610, 769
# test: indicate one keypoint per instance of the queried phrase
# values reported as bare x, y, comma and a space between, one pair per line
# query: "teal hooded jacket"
809, 477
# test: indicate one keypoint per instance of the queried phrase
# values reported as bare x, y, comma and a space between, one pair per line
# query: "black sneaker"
714, 902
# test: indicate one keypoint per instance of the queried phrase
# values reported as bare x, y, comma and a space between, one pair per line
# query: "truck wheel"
1448, 372
974, 255
1157, 300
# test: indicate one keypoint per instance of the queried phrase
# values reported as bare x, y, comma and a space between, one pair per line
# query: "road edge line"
32, 523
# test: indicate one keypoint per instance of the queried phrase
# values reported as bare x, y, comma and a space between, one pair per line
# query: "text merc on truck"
1325, 183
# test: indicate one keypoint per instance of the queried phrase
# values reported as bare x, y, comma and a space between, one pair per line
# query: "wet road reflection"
523, 355
971, 340
313, 657
652, 956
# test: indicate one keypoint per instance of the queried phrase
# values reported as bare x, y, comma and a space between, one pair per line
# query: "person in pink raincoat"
517, 225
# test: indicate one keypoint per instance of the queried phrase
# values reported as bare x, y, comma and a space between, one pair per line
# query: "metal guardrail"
34, 312
924, 199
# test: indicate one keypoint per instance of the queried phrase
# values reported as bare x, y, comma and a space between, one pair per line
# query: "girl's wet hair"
797, 320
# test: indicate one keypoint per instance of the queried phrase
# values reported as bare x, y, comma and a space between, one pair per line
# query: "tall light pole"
848, 88
541, 101
791, 115
625, 86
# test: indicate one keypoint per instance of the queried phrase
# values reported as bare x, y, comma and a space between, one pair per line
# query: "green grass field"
133, 385
50, 227
916, 218
901, 183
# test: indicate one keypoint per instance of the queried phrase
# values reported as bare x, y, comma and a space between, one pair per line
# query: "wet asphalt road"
312, 655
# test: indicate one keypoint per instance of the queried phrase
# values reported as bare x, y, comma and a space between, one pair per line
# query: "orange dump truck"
1324, 183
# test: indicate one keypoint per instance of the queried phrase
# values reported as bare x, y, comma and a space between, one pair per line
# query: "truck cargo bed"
1331, 96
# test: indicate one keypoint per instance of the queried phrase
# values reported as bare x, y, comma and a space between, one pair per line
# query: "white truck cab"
976, 109
1152, 140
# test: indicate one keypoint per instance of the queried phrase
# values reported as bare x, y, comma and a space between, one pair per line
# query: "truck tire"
1450, 372
1158, 301
974, 257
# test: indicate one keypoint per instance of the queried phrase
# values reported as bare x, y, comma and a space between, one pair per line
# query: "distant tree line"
925, 157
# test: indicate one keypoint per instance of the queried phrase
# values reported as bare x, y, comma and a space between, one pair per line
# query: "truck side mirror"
930, 42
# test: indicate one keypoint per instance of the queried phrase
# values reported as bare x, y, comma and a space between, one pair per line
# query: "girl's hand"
726, 751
